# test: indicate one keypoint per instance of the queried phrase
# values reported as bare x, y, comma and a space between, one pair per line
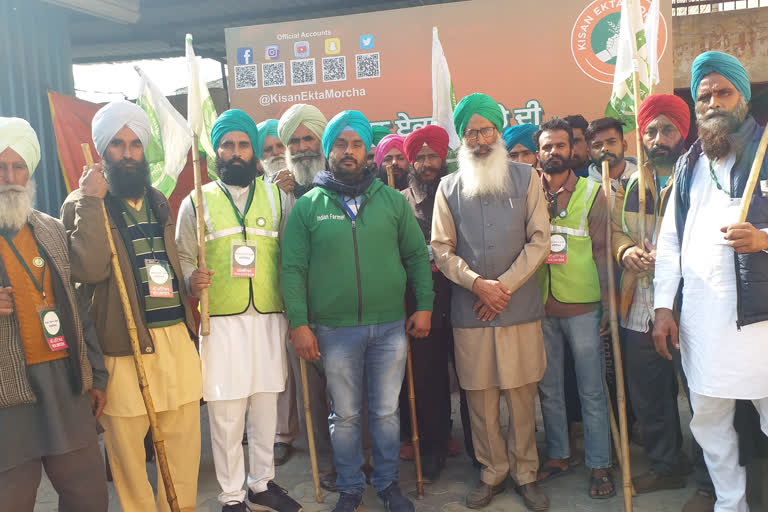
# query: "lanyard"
40, 285
351, 214
240, 217
149, 237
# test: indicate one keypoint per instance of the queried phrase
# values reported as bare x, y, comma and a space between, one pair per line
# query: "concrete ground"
567, 493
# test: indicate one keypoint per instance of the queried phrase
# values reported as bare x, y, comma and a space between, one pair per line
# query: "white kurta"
719, 360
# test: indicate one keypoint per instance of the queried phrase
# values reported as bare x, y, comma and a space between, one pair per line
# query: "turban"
722, 64
432, 135
388, 143
235, 120
347, 118
301, 113
669, 105
17, 134
379, 132
520, 134
480, 104
111, 118
265, 128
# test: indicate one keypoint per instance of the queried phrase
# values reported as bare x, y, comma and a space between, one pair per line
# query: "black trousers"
653, 385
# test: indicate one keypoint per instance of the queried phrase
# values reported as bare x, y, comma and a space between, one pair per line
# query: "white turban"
17, 134
111, 118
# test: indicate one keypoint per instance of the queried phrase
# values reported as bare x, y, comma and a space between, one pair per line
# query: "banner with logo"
534, 59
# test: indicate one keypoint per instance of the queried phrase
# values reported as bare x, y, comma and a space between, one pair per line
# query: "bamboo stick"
615, 433
638, 142
310, 431
157, 436
754, 175
205, 319
620, 398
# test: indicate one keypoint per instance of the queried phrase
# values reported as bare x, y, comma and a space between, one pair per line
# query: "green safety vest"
232, 295
576, 281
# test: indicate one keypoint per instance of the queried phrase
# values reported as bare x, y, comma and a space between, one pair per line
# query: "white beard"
273, 164
304, 171
484, 177
16, 203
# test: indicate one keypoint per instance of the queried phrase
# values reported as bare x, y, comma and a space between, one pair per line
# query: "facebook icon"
244, 56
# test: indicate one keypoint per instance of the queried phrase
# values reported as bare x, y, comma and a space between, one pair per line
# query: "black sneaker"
234, 506
275, 497
348, 502
393, 499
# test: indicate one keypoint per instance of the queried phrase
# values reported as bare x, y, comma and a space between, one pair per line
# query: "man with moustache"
300, 129
489, 235
51, 383
143, 230
724, 313
379, 132
574, 285
518, 140
581, 160
605, 141
390, 152
663, 120
244, 358
350, 245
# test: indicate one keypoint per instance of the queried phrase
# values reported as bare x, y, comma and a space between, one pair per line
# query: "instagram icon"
272, 52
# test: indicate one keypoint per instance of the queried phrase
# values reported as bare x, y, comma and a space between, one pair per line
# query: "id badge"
244, 258
159, 278
558, 249
51, 321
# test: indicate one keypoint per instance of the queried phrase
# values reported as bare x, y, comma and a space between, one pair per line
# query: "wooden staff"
411, 392
310, 431
754, 175
615, 433
639, 143
205, 319
157, 436
620, 398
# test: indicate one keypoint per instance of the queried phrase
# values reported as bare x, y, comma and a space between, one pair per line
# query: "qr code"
334, 69
368, 65
273, 74
303, 72
246, 77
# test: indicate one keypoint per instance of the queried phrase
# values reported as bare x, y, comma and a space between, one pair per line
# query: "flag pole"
157, 435
626, 472
205, 319
638, 135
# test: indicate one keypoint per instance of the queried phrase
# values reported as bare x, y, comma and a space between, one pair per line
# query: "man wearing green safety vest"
244, 358
573, 282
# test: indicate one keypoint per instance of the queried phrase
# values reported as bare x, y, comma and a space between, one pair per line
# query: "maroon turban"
432, 135
674, 107
385, 145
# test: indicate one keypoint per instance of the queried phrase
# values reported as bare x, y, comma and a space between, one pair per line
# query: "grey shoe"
482, 494
533, 498
348, 502
275, 497
282, 452
393, 499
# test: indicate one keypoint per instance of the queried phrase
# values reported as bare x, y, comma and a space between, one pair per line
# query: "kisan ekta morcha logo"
595, 38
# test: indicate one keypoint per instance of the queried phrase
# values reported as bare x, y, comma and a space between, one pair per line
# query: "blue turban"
480, 104
266, 128
352, 118
722, 64
520, 134
234, 120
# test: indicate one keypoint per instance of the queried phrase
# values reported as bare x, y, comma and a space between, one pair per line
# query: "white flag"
630, 49
652, 20
201, 113
171, 139
443, 97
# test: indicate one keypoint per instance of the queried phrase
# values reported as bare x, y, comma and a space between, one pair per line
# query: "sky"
100, 83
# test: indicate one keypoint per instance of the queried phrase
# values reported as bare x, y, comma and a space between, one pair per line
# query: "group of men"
499, 269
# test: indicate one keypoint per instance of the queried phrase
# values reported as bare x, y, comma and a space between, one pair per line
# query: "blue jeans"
378, 352
582, 333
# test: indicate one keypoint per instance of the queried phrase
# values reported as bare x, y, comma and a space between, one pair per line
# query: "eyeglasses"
487, 133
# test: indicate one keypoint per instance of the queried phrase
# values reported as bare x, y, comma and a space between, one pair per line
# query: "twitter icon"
366, 42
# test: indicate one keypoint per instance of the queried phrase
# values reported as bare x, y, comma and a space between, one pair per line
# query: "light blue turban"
352, 118
234, 120
266, 128
520, 134
722, 64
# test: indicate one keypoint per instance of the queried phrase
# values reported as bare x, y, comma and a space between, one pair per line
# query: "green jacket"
340, 273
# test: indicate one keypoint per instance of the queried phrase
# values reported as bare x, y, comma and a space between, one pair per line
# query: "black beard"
350, 176
714, 128
236, 175
555, 165
579, 164
127, 182
401, 181
665, 159
427, 188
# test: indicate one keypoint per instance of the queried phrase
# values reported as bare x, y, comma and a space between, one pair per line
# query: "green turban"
301, 113
480, 104
723, 64
234, 120
379, 132
266, 128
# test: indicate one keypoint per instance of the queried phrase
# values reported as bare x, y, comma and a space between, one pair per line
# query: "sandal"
596, 483
546, 472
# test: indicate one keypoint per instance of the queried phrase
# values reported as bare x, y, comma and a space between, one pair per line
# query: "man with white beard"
300, 129
722, 264
52, 375
490, 233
